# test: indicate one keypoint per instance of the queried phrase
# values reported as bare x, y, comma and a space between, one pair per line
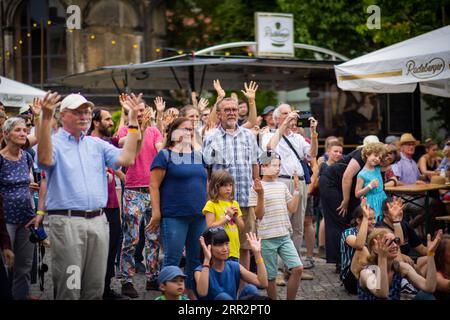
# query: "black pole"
191, 78
3, 38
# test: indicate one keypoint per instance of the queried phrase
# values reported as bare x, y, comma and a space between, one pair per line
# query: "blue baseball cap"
169, 273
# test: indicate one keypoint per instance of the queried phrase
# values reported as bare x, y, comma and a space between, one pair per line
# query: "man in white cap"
75, 166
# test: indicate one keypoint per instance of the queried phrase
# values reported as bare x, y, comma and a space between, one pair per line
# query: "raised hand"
202, 104
365, 207
257, 186
250, 90
124, 103
382, 244
134, 102
160, 104
36, 107
312, 124
291, 116
219, 90
396, 209
50, 102
194, 99
146, 119
432, 245
206, 250
255, 243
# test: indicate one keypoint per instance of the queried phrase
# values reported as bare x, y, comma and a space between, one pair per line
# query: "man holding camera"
293, 150
75, 167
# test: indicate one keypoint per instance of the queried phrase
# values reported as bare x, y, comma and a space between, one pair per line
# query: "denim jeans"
247, 291
178, 233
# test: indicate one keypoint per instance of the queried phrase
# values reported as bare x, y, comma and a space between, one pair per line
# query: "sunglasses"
216, 229
396, 240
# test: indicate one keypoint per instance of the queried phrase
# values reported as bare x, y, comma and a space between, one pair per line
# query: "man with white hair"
293, 149
75, 167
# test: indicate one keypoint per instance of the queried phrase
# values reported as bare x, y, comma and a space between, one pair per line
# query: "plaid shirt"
234, 153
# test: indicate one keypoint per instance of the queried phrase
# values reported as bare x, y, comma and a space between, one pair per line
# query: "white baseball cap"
369, 139
74, 101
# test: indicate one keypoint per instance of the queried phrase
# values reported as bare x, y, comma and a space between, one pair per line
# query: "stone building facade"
37, 46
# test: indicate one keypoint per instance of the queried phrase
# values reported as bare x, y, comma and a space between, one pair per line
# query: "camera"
303, 117
37, 235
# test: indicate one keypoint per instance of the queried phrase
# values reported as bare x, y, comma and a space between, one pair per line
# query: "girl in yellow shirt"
223, 210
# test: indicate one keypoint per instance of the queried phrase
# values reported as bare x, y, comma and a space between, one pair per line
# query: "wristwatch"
133, 127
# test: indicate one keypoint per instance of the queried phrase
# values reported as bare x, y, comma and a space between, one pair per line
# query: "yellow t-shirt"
219, 209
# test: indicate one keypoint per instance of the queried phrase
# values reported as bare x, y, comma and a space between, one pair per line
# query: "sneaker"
152, 285
307, 276
129, 290
308, 263
280, 281
112, 295
140, 267
407, 287
322, 254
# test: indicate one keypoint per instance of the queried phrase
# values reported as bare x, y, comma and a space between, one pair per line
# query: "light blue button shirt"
77, 179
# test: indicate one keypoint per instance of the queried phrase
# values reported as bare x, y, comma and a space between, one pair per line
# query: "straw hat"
408, 137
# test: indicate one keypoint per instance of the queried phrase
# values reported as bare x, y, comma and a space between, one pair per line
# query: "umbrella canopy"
198, 72
400, 67
17, 94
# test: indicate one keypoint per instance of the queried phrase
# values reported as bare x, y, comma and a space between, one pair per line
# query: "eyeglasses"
396, 240
79, 112
230, 110
187, 129
29, 124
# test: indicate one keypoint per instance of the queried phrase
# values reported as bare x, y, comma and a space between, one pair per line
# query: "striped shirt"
235, 153
275, 222
347, 252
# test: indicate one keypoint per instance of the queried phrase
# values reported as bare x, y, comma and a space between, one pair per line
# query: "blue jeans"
178, 233
248, 290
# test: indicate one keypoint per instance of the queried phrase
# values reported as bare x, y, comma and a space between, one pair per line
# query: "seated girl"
218, 278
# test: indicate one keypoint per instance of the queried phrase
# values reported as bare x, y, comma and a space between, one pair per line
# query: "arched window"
40, 38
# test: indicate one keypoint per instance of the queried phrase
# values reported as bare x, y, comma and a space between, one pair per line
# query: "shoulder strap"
291, 147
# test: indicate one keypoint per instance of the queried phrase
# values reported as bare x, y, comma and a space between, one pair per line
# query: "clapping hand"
250, 90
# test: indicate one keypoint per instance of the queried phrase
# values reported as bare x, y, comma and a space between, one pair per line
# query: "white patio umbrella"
17, 94
400, 67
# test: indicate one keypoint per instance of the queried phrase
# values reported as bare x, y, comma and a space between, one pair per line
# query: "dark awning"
198, 72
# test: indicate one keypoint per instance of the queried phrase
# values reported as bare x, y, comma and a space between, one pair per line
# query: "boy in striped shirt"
274, 226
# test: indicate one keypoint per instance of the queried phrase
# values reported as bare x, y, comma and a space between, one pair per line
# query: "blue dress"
375, 196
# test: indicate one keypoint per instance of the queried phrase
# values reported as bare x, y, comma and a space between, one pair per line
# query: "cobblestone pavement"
324, 286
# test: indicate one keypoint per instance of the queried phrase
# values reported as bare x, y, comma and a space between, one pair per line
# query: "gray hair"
220, 102
11, 123
276, 112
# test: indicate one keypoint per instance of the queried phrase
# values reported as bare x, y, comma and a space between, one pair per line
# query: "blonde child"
369, 182
223, 210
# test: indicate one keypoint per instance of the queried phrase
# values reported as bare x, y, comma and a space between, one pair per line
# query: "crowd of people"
216, 200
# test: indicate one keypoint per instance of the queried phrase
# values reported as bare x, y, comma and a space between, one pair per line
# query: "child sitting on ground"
273, 203
222, 211
171, 283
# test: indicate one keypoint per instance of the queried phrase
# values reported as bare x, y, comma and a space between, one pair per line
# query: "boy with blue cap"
171, 283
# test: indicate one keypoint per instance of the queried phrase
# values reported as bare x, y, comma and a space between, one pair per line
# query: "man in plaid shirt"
234, 149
